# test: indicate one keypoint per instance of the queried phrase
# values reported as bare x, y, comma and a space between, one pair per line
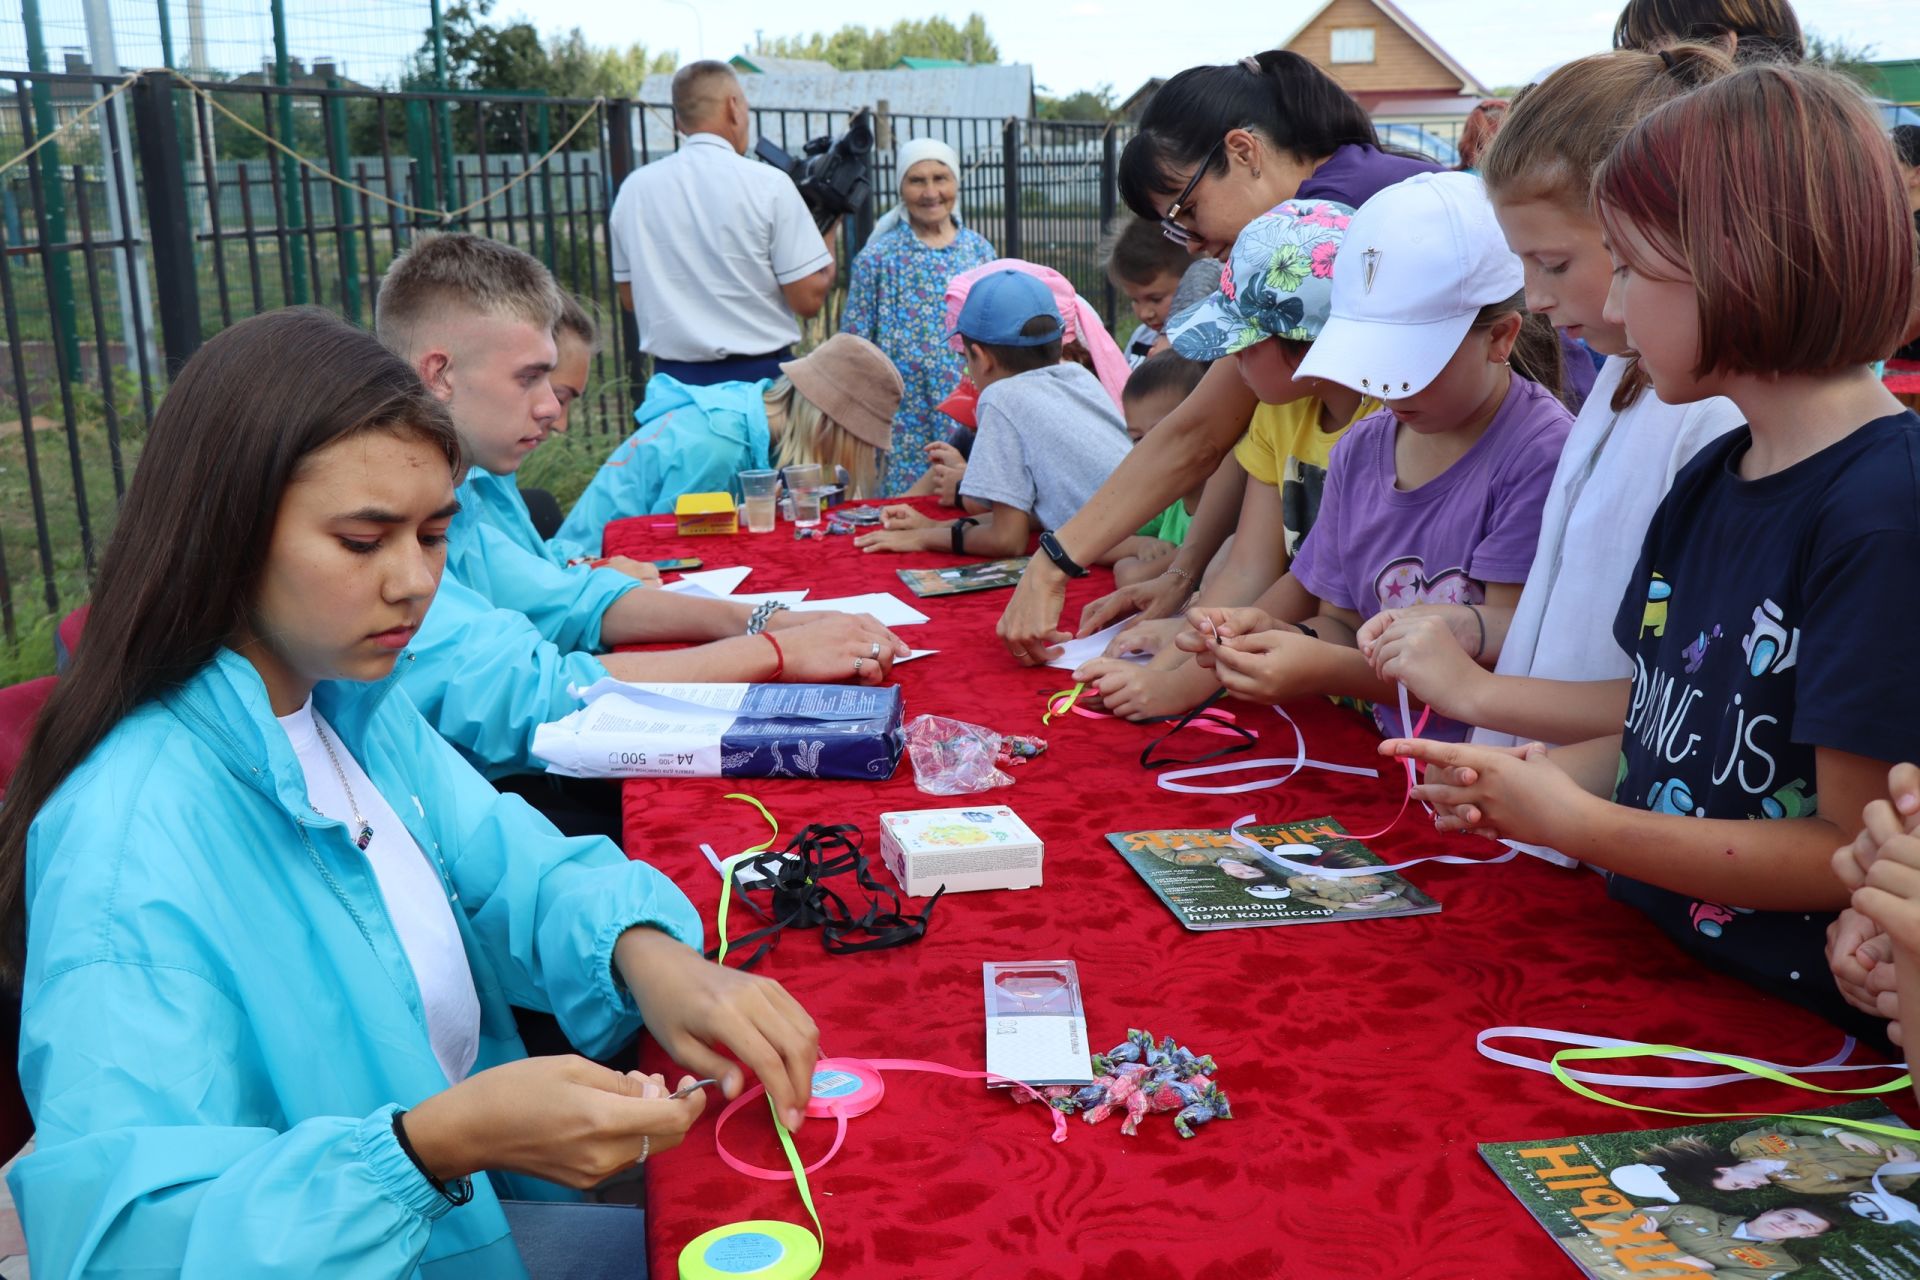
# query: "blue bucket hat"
1278, 283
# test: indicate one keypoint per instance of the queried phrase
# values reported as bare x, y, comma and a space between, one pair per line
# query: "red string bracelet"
779, 658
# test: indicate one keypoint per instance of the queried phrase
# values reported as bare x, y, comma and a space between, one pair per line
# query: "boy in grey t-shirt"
1048, 435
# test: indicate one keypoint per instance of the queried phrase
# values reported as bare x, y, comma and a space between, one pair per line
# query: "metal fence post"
1109, 190
619, 165
166, 200
1010, 170
293, 213
337, 160
44, 123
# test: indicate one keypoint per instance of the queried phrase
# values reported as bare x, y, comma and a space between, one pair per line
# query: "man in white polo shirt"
715, 253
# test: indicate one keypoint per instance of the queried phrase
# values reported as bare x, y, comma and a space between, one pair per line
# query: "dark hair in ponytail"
1536, 353
178, 578
1281, 96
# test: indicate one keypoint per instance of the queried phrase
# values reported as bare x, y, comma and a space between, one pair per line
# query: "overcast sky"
1077, 44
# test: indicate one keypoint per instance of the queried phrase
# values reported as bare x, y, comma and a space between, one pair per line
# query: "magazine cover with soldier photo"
1738, 1199
987, 575
1209, 880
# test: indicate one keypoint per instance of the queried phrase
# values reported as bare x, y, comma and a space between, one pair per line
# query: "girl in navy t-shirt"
1761, 252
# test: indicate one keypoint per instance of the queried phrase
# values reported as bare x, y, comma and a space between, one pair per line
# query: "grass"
30, 653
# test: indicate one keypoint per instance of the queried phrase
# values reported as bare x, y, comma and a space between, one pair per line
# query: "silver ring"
874, 652
856, 667
646, 1146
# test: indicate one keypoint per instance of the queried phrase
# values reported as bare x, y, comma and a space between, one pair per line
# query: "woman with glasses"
1217, 147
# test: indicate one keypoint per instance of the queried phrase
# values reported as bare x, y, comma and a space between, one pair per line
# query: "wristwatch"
959, 534
1058, 554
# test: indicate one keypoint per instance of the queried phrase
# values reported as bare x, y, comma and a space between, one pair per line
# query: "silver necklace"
363, 830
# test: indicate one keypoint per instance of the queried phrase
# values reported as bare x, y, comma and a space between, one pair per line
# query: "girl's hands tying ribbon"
694, 1007
1267, 666
1206, 627
1502, 793
1425, 649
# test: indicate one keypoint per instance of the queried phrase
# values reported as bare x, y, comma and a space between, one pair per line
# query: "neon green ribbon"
1058, 704
799, 1175
1758, 1069
726, 870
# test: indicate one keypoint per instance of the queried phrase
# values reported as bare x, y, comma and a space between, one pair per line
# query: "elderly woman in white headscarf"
896, 297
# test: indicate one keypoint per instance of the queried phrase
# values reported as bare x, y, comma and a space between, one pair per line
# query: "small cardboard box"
705, 513
964, 849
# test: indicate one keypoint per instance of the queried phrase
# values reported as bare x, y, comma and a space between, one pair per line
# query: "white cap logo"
1370, 261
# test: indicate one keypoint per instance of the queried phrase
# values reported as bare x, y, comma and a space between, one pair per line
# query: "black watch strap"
1058, 554
959, 535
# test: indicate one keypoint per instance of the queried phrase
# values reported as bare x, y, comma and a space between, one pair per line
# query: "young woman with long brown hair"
267, 926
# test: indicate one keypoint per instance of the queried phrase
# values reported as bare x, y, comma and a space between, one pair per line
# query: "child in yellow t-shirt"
1273, 299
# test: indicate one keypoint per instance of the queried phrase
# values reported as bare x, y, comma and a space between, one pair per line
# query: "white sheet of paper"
721, 582
791, 599
890, 610
917, 653
1075, 652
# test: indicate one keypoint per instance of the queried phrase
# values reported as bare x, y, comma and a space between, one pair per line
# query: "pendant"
364, 838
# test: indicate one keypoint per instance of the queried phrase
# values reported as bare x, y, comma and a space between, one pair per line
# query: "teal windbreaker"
219, 1019
497, 501
689, 440
566, 606
485, 678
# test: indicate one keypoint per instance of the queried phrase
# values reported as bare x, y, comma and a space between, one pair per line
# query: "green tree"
1836, 54
1095, 104
858, 48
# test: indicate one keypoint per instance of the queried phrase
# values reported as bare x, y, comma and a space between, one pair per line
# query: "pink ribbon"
841, 1114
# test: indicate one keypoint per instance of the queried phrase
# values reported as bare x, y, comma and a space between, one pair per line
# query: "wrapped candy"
1018, 748
952, 757
1211, 1106
1141, 1077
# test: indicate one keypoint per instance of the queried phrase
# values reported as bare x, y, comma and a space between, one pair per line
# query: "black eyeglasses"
1170, 228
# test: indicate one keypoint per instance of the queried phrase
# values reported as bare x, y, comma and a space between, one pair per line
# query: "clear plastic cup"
759, 491
807, 486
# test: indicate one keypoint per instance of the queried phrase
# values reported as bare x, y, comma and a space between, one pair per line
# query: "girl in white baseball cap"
1437, 498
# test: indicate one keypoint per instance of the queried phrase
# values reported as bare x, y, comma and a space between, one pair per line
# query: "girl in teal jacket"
233, 1033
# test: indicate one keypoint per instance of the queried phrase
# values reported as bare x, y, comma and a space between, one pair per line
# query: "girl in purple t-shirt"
1437, 498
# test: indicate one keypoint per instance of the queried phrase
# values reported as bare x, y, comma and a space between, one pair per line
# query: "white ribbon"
1547, 1035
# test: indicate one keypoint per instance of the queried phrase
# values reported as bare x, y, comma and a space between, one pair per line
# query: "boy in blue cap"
1047, 436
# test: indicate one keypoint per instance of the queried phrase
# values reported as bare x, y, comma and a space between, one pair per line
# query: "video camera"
834, 174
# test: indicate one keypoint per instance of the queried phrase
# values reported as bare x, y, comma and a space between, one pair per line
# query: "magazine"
961, 578
1762, 1197
1211, 881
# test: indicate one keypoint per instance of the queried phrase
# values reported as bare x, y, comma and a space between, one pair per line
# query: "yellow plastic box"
705, 513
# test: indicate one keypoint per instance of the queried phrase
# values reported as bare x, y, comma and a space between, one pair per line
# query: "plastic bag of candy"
954, 758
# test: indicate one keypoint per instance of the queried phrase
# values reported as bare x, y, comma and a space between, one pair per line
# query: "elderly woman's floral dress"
896, 299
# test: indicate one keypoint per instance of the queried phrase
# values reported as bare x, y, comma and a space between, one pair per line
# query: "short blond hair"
459, 272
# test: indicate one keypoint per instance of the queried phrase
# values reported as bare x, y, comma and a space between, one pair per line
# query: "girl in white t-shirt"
1557, 674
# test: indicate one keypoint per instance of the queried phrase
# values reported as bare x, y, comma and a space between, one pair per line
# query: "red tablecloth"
1347, 1049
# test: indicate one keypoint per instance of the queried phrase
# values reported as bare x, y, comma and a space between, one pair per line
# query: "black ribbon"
1179, 722
799, 897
